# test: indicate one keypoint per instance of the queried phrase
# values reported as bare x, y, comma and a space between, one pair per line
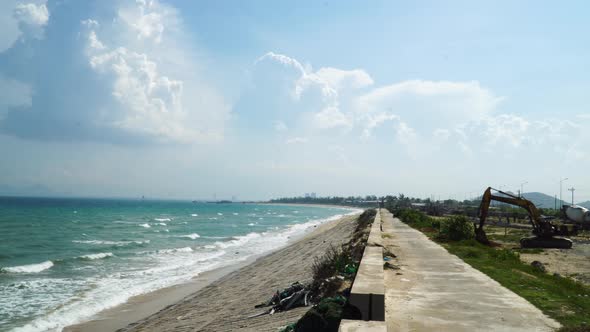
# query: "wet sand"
222, 299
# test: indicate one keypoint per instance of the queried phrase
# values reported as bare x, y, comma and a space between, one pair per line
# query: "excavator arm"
544, 230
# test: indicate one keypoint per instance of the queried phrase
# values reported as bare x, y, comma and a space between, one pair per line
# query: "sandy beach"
222, 299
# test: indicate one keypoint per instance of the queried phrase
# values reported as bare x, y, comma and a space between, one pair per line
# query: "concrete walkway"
436, 291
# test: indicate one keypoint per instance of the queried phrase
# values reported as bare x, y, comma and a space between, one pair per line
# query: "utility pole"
521, 188
560, 182
572, 189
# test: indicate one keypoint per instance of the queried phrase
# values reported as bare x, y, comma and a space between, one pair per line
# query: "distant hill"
543, 200
585, 204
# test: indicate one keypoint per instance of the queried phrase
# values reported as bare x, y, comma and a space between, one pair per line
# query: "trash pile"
293, 296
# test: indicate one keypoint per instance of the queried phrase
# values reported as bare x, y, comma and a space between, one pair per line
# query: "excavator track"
539, 242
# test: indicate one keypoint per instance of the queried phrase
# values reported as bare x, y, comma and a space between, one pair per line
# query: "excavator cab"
545, 232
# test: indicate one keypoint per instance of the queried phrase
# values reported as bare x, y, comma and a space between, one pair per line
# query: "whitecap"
251, 224
97, 256
31, 268
194, 215
163, 219
162, 224
192, 236
235, 213
219, 213
110, 243
170, 251
145, 225
238, 240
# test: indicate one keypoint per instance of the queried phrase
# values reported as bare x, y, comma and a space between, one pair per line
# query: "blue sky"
187, 99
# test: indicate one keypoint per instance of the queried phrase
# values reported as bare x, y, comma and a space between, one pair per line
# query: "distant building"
312, 195
306, 195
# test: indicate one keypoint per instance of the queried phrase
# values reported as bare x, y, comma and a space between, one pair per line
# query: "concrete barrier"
362, 326
375, 234
368, 289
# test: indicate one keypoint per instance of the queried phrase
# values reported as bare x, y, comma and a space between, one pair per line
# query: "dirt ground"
573, 263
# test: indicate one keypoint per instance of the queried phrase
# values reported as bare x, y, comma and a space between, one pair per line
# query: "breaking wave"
192, 236
30, 268
101, 255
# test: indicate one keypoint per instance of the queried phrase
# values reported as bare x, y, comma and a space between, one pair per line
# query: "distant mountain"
543, 200
585, 204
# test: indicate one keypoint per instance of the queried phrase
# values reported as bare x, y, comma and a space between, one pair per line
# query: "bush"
417, 219
365, 219
332, 262
457, 228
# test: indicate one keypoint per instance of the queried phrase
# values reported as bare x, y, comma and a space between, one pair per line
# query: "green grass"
562, 299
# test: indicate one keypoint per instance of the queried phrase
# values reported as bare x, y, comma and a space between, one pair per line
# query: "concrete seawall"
368, 290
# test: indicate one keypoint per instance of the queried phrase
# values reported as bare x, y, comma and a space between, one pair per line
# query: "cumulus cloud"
347, 99
135, 76
152, 103
21, 20
32, 14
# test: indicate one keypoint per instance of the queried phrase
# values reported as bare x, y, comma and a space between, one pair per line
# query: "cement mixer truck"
578, 214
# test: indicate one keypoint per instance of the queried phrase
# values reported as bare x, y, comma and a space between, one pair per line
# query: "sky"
263, 99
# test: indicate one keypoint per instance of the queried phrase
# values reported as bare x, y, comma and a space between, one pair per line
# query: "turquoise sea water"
64, 260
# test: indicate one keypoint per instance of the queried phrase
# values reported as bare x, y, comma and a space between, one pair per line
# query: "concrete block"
368, 290
375, 233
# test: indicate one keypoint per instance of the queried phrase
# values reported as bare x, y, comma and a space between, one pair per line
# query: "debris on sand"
293, 296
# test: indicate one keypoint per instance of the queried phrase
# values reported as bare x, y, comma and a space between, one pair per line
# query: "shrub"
365, 219
457, 228
417, 219
332, 262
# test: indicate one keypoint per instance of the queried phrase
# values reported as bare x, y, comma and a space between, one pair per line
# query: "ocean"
64, 260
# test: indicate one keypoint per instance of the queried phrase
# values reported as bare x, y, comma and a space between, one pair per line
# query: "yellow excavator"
543, 230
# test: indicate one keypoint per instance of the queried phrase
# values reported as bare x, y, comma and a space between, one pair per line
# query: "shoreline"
139, 308
316, 205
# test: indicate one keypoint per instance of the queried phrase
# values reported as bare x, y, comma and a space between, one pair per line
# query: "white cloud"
32, 14
296, 140
373, 121
148, 19
19, 20
321, 89
331, 117
443, 102
341, 79
159, 99
507, 129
